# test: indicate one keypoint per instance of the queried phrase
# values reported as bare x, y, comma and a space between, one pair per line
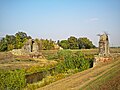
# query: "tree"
3, 44
73, 42
7, 43
85, 43
47, 44
64, 44
16, 41
10, 40
21, 37
51, 44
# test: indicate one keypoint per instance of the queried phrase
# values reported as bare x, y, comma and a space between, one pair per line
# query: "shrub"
72, 61
12, 80
63, 53
77, 61
60, 68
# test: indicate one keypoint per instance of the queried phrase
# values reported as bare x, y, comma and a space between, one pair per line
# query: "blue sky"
60, 19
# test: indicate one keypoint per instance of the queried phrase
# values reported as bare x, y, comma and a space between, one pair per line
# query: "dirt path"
81, 79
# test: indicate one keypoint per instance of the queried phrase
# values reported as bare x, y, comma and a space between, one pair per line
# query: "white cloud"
94, 19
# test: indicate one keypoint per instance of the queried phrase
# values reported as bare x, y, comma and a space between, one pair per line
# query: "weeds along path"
83, 79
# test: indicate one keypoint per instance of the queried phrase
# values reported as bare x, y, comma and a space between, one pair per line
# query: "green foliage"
10, 46
47, 44
12, 80
74, 43
64, 44
85, 43
63, 53
69, 63
72, 61
10, 42
21, 37
60, 68
35, 69
45, 81
16, 41
3, 45
52, 57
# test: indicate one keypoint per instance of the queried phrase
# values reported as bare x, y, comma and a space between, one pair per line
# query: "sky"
60, 19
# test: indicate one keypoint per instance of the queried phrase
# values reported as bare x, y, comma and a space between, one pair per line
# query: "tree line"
45, 44
16, 41
76, 43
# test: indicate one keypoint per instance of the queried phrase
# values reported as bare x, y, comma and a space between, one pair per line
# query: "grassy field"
86, 51
8, 61
107, 80
100, 77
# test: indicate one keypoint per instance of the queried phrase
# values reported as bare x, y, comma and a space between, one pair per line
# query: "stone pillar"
104, 45
27, 48
35, 47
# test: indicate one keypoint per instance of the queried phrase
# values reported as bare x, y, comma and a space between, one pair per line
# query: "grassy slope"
96, 78
107, 80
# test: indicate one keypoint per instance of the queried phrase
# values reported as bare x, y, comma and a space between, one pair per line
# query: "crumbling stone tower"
104, 45
30, 46
27, 48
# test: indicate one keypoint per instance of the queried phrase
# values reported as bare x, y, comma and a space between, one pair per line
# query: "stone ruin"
27, 48
30, 46
104, 54
104, 45
30, 49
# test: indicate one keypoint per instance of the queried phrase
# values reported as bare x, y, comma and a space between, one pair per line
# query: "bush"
72, 61
12, 80
63, 53
60, 68
77, 61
